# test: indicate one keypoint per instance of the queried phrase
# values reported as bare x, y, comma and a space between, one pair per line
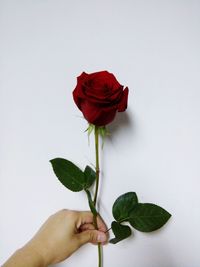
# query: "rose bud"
99, 96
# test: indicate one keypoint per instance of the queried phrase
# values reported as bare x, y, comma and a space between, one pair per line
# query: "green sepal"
121, 232
90, 129
103, 132
68, 174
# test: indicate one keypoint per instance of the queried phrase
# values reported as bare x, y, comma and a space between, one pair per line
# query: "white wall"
152, 47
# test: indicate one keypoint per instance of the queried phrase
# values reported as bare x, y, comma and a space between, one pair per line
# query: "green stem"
96, 133
99, 255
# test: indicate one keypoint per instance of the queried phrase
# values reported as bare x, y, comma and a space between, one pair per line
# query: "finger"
85, 217
101, 224
88, 217
87, 226
93, 236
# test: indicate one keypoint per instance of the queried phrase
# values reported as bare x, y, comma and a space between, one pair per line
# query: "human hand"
62, 234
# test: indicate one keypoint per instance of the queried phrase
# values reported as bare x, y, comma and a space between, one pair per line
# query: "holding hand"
61, 235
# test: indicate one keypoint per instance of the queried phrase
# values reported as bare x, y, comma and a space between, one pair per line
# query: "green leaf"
120, 231
68, 174
90, 176
124, 205
90, 202
148, 217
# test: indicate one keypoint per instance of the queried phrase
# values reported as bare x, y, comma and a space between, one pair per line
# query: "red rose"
99, 96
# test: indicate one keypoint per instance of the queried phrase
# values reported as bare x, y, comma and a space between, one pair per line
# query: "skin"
58, 238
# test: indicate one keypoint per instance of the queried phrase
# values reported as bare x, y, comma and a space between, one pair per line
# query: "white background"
153, 48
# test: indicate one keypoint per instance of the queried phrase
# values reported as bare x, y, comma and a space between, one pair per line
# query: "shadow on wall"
124, 121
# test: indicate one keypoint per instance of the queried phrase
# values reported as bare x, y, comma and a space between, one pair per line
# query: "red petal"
124, 101
97, 115
82, 77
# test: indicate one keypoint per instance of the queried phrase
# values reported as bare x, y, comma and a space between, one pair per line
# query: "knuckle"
92, 236
63, 211
71, 214
66, 212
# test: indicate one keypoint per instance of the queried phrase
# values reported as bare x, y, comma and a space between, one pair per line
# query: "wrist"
34, 255
25, 256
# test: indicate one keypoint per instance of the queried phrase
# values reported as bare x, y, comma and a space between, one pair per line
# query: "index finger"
88, 217
101, 224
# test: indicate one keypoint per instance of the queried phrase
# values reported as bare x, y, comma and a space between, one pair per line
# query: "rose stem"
96, 132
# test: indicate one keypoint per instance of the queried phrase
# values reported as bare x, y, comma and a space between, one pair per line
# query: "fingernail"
101, 237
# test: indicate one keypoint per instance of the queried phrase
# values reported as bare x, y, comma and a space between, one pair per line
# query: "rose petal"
124, 101
96, 115
77, 95
82, 77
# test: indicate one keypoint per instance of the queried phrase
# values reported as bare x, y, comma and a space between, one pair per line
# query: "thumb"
93, 236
